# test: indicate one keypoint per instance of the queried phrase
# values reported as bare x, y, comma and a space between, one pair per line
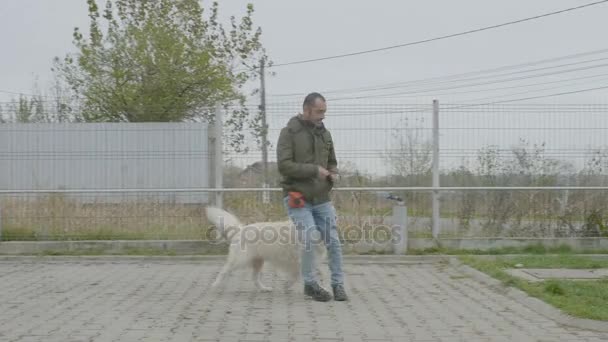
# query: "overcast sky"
32, 32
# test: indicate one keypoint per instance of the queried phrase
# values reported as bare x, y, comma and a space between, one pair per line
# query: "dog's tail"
226, 223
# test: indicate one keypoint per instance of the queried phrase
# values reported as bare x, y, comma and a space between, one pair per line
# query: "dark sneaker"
317, 292
339, 293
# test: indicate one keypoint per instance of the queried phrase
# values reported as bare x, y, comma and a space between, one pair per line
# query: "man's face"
316, 112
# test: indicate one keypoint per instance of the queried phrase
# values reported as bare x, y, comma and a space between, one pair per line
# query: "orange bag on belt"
295, 200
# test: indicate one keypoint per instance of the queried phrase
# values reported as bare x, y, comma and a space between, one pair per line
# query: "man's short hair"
310, 99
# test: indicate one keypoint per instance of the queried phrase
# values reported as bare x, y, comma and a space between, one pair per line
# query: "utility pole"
265, 194
218, 158
436, 228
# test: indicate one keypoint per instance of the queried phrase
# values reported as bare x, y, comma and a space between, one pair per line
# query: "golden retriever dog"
253, 245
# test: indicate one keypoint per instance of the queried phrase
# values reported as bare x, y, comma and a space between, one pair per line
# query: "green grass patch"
584, 299
535, 249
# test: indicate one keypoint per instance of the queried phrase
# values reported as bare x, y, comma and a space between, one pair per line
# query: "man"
307, 162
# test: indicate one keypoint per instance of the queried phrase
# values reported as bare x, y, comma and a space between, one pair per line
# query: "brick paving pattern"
139, 299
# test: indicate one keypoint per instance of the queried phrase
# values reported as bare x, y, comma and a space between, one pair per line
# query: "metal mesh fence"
377, 144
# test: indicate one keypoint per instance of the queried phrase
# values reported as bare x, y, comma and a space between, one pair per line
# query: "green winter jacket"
303, 147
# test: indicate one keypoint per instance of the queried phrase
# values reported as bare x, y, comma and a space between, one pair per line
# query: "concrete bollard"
399, 229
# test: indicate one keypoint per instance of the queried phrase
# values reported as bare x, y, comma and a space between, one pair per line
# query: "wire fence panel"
525, 145
493, 145
525, 139
378, 145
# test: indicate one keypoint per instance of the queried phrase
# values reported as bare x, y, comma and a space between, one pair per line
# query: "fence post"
399, 221
217, 158
0, 223
436, 224
265, 194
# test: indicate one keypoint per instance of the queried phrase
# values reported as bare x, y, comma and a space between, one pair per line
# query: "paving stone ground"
135, 299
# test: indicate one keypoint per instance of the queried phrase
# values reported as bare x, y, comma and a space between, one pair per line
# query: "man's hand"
323, 173
334, 177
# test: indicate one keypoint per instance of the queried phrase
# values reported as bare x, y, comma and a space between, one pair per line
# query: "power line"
53, 98
499, 88
525, 92
18, 93
528, 98
440, 37
492, 76
458, 77
473, 84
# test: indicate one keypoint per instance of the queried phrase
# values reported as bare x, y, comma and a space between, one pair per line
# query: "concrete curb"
351, 259
532, 303
126, 247
114, 247
112, 258
204, 247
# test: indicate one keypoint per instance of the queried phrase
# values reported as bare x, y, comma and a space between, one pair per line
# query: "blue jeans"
316, 223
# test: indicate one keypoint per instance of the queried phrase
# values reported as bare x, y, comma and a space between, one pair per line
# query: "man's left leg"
325, 219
